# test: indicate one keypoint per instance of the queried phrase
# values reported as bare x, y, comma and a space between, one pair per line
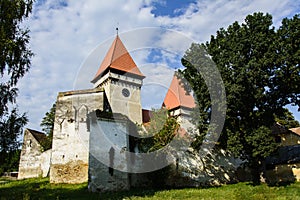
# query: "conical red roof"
118, 58
177, 96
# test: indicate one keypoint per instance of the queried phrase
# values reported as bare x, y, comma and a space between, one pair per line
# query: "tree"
47, 125
159, 132
201, 77
285, 83
254, 69
10, 130
287, 119
14, 63
15, 58
15, 55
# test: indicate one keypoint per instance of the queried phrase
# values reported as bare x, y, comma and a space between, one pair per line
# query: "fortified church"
94, 130
98, 121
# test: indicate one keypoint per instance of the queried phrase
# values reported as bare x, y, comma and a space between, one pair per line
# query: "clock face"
125, 92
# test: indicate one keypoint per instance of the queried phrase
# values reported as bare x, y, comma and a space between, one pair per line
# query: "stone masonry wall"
69, 160
33, 161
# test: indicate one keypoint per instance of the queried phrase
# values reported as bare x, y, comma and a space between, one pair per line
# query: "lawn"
41, 189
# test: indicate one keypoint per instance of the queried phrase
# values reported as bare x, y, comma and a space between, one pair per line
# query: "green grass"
42, 189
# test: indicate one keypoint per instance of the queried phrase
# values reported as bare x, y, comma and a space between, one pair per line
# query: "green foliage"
260, 71
155, 135
15, 58
15, 55
286, 78
287, 119
259, 142
205, 81
10, 130
159, 132
10, 161
42, 189
47, 125
194, 59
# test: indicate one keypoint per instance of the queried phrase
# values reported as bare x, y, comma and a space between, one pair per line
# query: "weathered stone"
70, 172
71, 135
34, 161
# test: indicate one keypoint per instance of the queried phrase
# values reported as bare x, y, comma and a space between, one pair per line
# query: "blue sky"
66, 33
172, 8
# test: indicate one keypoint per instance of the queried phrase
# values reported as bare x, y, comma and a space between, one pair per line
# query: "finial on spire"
117, 28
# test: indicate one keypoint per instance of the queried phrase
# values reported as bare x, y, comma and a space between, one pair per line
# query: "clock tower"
122, 81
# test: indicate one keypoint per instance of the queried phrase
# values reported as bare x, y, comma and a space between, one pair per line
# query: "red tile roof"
118, 58
177, 96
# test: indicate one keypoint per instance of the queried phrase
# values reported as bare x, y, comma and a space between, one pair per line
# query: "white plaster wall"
45, 162
71, 135
107, 134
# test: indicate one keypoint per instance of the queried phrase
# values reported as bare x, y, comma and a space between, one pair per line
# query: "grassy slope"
41, 189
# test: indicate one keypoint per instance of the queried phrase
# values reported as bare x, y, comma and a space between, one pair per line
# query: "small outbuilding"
34, 158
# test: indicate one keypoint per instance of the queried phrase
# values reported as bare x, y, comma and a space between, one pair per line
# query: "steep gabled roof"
118, 58
177, 96
39, 136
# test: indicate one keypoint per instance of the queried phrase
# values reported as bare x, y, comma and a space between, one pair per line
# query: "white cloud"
156, 84
205, 17
64, 34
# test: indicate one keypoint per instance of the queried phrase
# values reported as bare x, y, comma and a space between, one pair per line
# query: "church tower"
122, 81
180, 103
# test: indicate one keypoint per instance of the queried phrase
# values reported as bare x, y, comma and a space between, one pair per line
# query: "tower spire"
177, 96
118, 58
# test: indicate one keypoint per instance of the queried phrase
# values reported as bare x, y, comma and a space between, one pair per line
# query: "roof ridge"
37, 135
177, 86
35, 131
114, 49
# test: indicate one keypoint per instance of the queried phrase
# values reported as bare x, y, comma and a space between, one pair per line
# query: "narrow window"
111, 161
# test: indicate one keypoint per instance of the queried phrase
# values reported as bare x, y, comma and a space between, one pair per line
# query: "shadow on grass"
281, 184
273, 184
41, 189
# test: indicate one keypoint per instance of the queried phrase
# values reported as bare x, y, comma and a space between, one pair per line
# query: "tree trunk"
256, 169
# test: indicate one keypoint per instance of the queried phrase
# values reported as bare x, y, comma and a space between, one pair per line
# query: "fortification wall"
69, 159
107, 158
